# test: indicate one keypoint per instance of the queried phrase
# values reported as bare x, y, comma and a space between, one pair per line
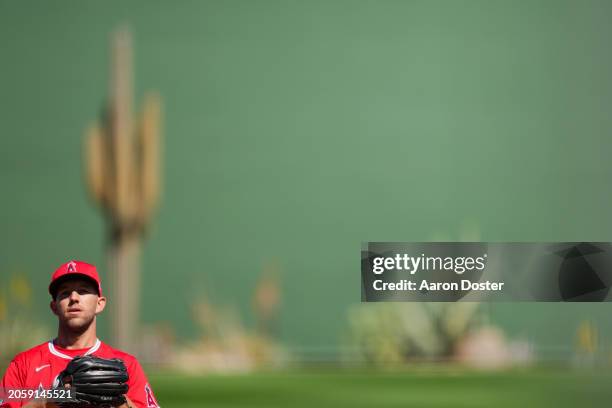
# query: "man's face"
77, 303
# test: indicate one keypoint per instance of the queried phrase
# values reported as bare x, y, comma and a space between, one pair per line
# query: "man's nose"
74, 296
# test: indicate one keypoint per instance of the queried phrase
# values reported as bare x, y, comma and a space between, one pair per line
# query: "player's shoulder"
34, 353
107, 351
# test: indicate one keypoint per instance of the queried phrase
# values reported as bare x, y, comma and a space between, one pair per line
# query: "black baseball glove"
96, 381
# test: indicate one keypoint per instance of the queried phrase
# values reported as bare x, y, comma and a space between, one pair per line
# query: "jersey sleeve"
13, 378
139, 391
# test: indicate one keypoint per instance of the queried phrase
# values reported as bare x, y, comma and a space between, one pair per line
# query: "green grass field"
423, 388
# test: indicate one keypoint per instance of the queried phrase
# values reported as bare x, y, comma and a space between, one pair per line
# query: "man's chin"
78, 324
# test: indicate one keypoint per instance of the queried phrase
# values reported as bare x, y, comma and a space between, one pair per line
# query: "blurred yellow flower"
20, 290
587, 337
3, 308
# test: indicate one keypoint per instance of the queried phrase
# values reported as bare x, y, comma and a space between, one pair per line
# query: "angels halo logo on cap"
71, 267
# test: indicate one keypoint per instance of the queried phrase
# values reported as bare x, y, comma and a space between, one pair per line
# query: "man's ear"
53, 307
101, 304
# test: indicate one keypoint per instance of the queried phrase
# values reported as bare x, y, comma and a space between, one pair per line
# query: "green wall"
295, 130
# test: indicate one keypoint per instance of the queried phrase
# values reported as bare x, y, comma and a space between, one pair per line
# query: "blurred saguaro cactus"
122, 156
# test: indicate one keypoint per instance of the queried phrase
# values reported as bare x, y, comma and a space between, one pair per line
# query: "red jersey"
39, 367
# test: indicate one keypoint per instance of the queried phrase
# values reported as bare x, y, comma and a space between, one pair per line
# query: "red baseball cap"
75, 269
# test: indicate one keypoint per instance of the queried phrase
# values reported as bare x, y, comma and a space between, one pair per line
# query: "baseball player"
76, 300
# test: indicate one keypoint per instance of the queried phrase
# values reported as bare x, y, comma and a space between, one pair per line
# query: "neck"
69, 339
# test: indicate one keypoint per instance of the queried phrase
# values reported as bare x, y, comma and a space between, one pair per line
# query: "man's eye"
84, 291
